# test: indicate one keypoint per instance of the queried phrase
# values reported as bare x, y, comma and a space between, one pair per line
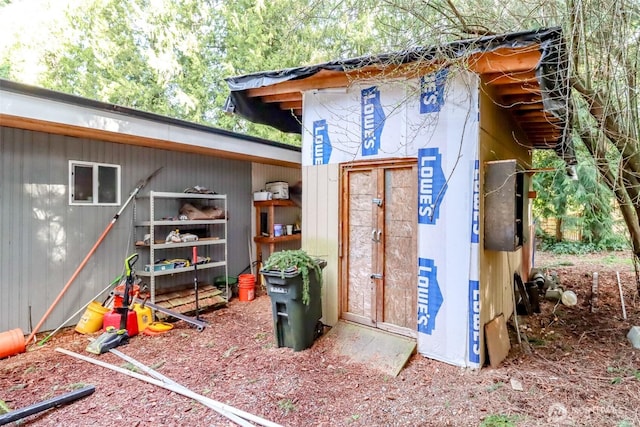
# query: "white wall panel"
320, 229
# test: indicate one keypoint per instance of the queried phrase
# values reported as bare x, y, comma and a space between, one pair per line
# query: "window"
94, 184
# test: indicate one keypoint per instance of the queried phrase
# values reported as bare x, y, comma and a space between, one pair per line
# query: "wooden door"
379, 245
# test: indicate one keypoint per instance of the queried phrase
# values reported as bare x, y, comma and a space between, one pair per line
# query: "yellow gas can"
145, 316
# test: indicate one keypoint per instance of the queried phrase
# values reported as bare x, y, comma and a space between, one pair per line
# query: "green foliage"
148, 58
286, 406
611, 243
294, 261
5, 70
4, 408
499, 421
495, 386
587, 200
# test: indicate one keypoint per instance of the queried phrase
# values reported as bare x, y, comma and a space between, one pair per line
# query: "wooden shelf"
161, 244
275, 202
279, 239
270, 206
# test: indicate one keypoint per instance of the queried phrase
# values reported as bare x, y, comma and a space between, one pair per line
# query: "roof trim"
34, 108
540, 53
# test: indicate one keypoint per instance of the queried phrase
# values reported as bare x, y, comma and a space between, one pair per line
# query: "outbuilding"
54, 147
417, 168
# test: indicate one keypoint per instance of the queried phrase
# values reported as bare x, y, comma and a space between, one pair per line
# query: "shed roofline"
528, 69
34, 108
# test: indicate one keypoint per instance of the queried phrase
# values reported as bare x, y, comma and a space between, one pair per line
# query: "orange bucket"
11, 342
246, 287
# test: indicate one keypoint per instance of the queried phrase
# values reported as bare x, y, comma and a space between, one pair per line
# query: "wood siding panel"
400, 247
320, 224
46, 239
498, 142
361, 253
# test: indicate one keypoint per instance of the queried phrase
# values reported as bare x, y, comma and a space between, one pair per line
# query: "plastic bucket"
12, 342
117, 299
246, 287
91, 320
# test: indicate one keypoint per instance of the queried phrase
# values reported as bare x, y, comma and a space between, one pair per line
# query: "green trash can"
296, 325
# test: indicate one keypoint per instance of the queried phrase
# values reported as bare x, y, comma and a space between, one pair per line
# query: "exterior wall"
36, 109
321, 200
45, 239
260, 175
397, 119
497, 268
321, 230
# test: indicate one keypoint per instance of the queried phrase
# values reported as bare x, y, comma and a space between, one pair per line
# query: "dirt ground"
580, 371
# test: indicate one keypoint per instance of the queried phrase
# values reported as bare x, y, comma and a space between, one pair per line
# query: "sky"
31, 22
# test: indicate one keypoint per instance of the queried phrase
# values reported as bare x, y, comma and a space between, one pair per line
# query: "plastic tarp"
434, 118
552, 63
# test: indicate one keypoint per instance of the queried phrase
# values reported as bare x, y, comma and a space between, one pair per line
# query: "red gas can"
112, 318
119, 293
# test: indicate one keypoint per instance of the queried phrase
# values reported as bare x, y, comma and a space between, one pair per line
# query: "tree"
604, 43
135, 55
171, 58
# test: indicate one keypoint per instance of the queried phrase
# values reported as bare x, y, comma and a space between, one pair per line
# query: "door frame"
343, 244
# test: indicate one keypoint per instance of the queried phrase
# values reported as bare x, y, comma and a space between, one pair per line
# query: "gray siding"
44, 239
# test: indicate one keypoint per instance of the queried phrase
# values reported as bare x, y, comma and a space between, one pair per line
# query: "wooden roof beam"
505, 60
321, 80
541, 131
291, 105
282, 97
525, 114
543, 144
518, 89
497, 79
540, 120
537, 135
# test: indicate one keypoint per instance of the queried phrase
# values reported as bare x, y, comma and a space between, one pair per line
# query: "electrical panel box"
503, 205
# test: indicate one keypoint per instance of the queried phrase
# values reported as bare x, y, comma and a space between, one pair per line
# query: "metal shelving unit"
216, 230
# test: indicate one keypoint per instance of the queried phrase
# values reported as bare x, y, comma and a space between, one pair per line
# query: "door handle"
373, 235
376, 276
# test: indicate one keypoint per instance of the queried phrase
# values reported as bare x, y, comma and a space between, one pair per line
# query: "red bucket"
246, 287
